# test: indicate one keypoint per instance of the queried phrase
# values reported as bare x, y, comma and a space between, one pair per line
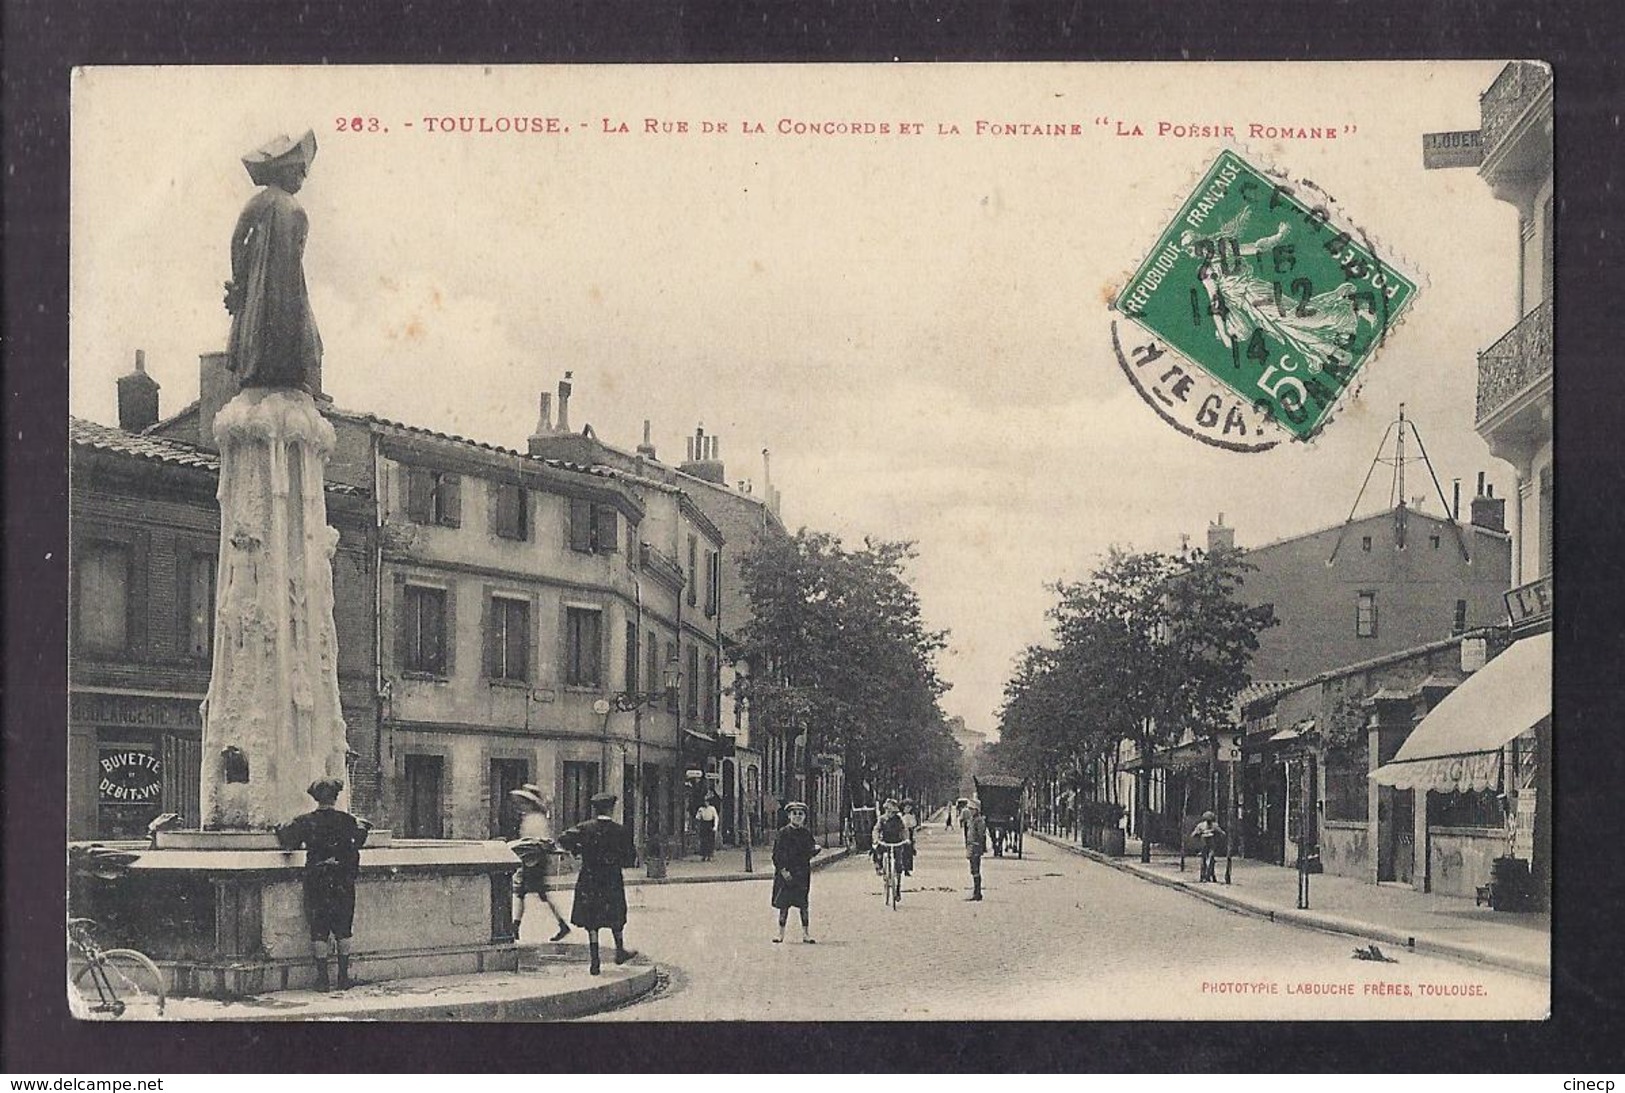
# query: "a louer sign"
1459, 149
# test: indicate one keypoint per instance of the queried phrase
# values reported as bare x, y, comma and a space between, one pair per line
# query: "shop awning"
1457, 747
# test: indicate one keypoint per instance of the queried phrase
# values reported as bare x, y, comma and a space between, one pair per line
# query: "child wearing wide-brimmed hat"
534, 848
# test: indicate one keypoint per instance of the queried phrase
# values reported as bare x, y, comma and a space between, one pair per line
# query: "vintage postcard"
820, 542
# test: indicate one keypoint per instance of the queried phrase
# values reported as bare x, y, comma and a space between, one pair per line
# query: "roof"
1411, 513
999, 781
157, 449
1263, 689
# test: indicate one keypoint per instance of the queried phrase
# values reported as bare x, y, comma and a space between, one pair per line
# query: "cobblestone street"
1056, 937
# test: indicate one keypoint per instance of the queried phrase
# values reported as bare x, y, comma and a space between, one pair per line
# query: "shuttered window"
594, 528
434, 497
103, 610
1365, 615
510, 510
583, 646
507, 639
198, 598
632, 658
693, 570
693, 681
423, 630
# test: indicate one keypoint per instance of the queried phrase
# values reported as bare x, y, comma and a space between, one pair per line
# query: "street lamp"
633, 702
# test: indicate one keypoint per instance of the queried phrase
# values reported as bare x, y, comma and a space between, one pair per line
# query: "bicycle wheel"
886, 878
137, 986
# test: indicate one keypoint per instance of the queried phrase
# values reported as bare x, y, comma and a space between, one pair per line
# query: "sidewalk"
551, 984
1387, 914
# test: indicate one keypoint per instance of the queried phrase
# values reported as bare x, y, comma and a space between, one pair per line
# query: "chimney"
1489, 511
564, 403
702, 458
1220, 539
769, 493
537, 444
137, 397
217, 385
646, 449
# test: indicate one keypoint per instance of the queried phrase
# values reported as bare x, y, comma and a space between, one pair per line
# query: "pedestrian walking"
1209, 832
706, 818
794, 848
911, 824
948, 820
534, 848
975, 844
605, 848
332, 841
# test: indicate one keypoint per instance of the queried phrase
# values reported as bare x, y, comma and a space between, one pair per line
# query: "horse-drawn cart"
1001, 796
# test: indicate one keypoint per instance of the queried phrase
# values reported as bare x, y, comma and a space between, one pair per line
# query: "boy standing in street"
794, 848
975, 844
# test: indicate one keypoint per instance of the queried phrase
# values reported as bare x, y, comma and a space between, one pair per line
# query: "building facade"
1376, 585
144, 541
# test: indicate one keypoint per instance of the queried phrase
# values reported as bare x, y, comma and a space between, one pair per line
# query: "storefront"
1474, 771
132, 757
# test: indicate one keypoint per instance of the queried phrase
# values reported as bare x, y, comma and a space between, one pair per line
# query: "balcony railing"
1530, 605
1522, 356
1519, 84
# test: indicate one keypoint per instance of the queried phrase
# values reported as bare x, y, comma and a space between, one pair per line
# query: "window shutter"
403, 637
494, 502
693, 570
419, 495
519, 640
137, 600
609, 529
448, 630
581, 525
631, 658
1545, 501
490, 627
451, 500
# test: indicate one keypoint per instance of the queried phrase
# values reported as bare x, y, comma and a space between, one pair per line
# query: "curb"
553, 1005
1325, 923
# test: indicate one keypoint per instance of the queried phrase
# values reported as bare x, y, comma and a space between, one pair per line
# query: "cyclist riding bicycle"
890, 835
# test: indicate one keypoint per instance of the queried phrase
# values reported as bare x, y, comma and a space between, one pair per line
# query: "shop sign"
135, 711
130, 777
1463, 148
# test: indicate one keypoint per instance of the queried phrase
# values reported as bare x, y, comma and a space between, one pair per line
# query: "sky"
916, 324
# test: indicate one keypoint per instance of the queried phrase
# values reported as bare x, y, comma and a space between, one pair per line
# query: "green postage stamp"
1256, 283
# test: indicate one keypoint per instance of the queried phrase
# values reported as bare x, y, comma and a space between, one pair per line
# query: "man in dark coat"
794, 848
605, 848
332, 840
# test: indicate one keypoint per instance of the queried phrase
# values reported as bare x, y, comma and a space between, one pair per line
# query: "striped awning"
1457, 747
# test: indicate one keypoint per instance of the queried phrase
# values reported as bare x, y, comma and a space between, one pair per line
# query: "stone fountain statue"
272, 722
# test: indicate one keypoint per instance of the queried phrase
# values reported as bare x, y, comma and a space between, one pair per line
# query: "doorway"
580, 783
1403, 830
507, 775
424, 776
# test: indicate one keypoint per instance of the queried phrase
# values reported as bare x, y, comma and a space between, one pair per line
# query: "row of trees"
1149, 647
840, 657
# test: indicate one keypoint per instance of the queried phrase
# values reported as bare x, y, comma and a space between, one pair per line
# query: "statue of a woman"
274, 341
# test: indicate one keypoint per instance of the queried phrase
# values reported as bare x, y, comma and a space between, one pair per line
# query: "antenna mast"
1396, 498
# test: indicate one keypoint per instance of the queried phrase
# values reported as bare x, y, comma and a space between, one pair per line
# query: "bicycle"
890, 873
113, 981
